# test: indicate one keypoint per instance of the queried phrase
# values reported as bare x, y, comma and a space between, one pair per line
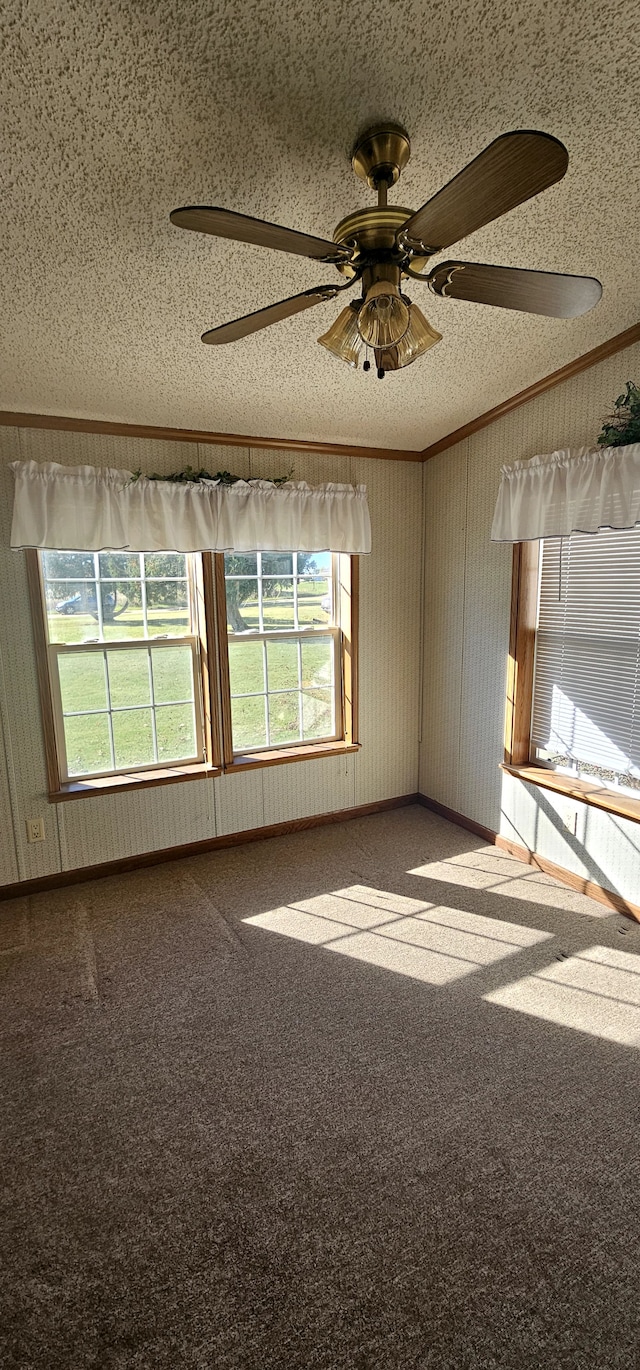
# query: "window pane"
317, 713
129, 678
587, 667
165, 564
246, 667
67, 565
87, 740
82, 681
168, 608
248, 724
175, 732
240, 564
277, 564
282, 665
284, 719
172, 674
115, 565
243, 614
133, 737
71, 611
314, 564
122, 615
314, 602
317, 661
277, 604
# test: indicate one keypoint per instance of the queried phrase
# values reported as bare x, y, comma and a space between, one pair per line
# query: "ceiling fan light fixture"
419, 337
343, 338
384, 317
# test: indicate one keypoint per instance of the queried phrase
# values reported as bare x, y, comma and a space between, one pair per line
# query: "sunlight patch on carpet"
498, 872
427, 942
596, 991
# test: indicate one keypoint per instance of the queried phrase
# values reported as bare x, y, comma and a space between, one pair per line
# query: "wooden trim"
42, 669
565, 373
574, 882
253, 761
522, 646
139, 780
518, 759
155, 858
586, 791
206, 612
348, 581
223, 658
459, 819
347, 644
352, 720
60, 790
67, 424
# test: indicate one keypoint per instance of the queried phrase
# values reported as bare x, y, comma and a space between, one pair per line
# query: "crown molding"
66, 424
565, 373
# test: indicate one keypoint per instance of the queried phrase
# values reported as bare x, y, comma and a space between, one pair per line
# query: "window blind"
586, 705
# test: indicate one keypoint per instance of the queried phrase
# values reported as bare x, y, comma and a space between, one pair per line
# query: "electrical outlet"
35, 830
570, 820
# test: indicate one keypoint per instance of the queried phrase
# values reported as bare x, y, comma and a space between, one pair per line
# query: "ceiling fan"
385, 245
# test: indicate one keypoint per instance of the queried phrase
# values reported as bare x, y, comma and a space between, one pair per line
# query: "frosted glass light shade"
419, 337
384, 317
343, 338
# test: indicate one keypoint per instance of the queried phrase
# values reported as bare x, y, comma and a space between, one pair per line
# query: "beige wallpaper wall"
466, 635
105, 827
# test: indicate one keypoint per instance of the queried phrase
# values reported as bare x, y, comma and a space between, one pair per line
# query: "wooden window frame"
347, 654
210, 614
146, 777
519, 756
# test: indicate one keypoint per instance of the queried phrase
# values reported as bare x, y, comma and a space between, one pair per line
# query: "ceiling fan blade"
223, 223
262, 318
510, 170
535, 292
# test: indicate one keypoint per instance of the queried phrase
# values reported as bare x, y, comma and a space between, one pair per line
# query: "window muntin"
283, 649
123, 661
586, 696
108, 596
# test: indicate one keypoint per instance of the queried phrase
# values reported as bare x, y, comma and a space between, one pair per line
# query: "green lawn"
165, 621
308, 691
314, 684
84, 686
278, 609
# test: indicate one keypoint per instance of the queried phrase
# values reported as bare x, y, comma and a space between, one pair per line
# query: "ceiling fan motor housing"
380, 154
372, 231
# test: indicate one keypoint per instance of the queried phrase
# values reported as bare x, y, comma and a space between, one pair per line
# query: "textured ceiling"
113, 114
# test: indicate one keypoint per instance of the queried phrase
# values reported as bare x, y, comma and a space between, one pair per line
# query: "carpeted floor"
365, 1098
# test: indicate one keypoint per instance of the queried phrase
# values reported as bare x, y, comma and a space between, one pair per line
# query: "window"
573, 717
288, 632
282, 641
174, 664
123, 661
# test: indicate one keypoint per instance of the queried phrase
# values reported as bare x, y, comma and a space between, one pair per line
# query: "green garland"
189, 476
623, 426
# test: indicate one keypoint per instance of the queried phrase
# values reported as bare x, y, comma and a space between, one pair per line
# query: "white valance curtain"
568, 492
85, 508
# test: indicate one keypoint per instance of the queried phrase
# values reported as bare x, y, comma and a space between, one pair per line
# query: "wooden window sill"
145, 780
587, 791
250, 761
133, 780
